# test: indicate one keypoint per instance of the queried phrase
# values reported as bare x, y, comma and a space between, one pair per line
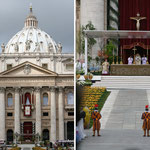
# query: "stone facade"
36, 89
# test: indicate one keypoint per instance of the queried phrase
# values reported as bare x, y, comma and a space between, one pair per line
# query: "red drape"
130, 8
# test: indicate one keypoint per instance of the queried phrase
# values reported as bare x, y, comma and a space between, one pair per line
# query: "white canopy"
118, 34
115, 34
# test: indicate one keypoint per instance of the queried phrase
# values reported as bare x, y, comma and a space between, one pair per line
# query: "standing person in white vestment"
144, 60
130, 60
138, 59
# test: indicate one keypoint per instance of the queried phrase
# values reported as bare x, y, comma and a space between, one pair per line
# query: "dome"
31, 39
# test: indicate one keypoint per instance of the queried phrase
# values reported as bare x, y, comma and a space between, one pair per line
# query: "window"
70, 98
45, 99
69, 67
45, 113
10, 100
70, 113
45, 134
10, 114
45, 66
9, 66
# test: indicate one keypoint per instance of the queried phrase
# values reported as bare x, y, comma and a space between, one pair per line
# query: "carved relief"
51, 58
37, 58
16, 59
131, 70
27, 69
2, 89
3, 58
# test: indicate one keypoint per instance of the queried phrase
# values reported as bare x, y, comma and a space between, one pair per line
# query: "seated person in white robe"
130, 60
105, 66
138, 59
144, 60
83, 66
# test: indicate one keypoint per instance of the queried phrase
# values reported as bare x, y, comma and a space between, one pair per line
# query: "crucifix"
138, 19
134, 49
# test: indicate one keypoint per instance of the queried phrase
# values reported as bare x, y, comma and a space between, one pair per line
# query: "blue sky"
56, 17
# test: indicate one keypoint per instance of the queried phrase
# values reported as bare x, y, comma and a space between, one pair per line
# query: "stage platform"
129, 70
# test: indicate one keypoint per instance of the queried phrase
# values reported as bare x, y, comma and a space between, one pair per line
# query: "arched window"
45, 99
45, 134
10, 99
70, 98
27, 99
10, 135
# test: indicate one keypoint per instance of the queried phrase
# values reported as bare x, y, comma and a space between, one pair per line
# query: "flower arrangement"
91, 96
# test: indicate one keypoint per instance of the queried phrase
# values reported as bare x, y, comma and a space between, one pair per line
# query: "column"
2, 114
66, 130
96, 10
17, 111
38, 111
86, 55
61, 114
53, 115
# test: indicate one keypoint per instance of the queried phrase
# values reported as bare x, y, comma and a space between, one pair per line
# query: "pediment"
28, 69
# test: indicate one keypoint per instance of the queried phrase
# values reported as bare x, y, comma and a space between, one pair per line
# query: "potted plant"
86, 77
78, 76
90, 76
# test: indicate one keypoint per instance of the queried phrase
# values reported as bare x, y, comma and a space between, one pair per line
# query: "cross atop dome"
31, 8
31, 20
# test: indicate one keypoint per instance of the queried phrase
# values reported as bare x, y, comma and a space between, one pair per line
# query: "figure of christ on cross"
138, 19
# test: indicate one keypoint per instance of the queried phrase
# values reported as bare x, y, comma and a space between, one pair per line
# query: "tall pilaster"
38, 111
17, 111
2, 113
95, 10
61, 114
52, 63
53, 115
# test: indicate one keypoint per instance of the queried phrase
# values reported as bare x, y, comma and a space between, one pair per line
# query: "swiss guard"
96, 116
146, 120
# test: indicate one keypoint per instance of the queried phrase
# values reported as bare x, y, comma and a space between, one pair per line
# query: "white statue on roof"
3, 47
16, 47
28, 45
59, 48
37, 47
50, 48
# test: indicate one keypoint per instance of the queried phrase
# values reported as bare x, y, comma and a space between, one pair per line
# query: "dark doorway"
9, 135
70, 130
27, 130
45, 134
